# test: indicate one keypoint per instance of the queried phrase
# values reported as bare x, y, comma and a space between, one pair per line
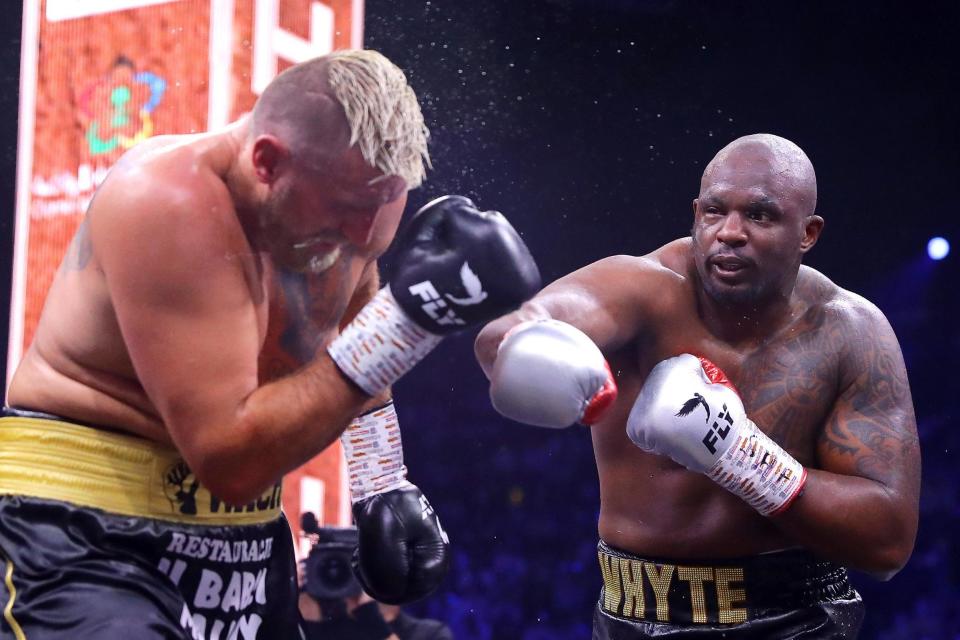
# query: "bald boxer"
754, 431
216, 323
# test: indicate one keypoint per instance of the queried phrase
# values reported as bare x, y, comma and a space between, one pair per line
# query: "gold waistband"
120, 474
681, 593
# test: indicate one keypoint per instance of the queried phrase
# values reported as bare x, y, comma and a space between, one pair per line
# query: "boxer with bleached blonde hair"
197, 343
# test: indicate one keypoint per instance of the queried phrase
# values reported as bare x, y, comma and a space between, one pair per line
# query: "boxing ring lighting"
938, 248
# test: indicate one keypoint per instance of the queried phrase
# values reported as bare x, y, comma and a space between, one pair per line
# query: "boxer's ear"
268, 157
812, 226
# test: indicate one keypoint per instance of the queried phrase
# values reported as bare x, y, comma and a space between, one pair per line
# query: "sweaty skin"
819, 370
157, 321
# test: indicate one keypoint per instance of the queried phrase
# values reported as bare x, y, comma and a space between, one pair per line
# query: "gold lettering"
634, 604
610, 568
727, 596
695, 576
660, 581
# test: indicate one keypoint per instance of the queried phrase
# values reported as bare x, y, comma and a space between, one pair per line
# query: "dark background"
588, 124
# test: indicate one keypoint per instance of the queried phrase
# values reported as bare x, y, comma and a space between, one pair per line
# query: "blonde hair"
383, 113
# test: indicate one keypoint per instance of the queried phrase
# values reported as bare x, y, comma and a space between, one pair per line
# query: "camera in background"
328, 572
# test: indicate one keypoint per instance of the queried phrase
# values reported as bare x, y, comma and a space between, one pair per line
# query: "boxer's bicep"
184, 307
871, 431
609, 300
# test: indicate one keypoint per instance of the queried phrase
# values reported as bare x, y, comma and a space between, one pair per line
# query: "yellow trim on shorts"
8, 608
120, 474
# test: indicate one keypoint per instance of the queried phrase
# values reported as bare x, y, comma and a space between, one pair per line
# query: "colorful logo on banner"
117, 108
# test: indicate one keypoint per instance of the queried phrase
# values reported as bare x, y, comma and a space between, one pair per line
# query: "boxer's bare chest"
301, 312
788, 381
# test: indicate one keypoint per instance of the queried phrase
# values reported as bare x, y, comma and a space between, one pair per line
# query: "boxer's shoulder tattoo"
874, 420
788, 383
80, 250
835, 382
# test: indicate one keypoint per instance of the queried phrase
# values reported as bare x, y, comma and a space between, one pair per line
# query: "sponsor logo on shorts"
188, 497
223, 582
180, 486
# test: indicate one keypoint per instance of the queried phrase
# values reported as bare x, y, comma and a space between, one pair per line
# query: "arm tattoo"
874, 421
81, 248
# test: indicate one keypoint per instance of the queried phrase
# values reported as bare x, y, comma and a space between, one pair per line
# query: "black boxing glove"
461, 267
402, 553
456, 267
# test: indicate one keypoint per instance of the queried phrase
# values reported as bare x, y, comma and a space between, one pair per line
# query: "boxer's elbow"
236, 487
887, 563
235, 470
894, 556
888, 555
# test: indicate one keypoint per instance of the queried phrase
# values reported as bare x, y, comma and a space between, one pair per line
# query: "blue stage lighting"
938, 248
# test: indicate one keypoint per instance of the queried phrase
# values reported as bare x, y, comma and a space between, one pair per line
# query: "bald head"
784, 166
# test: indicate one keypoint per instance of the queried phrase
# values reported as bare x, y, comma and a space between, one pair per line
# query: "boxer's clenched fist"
461, 267
689, 411
550, 374
402, 553
456, 267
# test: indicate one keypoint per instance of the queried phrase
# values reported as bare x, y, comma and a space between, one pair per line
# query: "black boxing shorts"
783, 594
109, 536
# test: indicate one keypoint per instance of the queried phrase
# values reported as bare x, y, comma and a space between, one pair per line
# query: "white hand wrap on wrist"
374, 453
759, 471
380, 344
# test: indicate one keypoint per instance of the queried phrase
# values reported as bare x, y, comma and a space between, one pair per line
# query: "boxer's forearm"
278, 427
305, 406
854, 521
489, 339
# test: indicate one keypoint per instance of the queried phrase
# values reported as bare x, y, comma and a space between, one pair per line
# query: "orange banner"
99, 76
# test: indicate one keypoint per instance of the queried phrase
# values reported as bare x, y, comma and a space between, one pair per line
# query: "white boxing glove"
689, 411
550, 374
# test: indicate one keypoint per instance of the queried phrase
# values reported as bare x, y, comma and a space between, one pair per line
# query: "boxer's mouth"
728, 264
318, 263
316, 255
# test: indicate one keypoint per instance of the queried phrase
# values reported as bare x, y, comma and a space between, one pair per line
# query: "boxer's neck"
739, 323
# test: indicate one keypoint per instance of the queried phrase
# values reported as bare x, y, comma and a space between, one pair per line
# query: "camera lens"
334, 570
329, 569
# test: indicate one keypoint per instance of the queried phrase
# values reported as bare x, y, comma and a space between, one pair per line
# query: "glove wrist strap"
374, 453
381, 344
759, 471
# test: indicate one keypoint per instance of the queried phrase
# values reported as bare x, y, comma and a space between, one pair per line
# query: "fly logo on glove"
473, 287
733, 452
717, 430
456, 267
433, 304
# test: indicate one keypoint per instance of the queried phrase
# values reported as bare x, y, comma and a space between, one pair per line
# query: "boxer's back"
789, 384
77, 365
